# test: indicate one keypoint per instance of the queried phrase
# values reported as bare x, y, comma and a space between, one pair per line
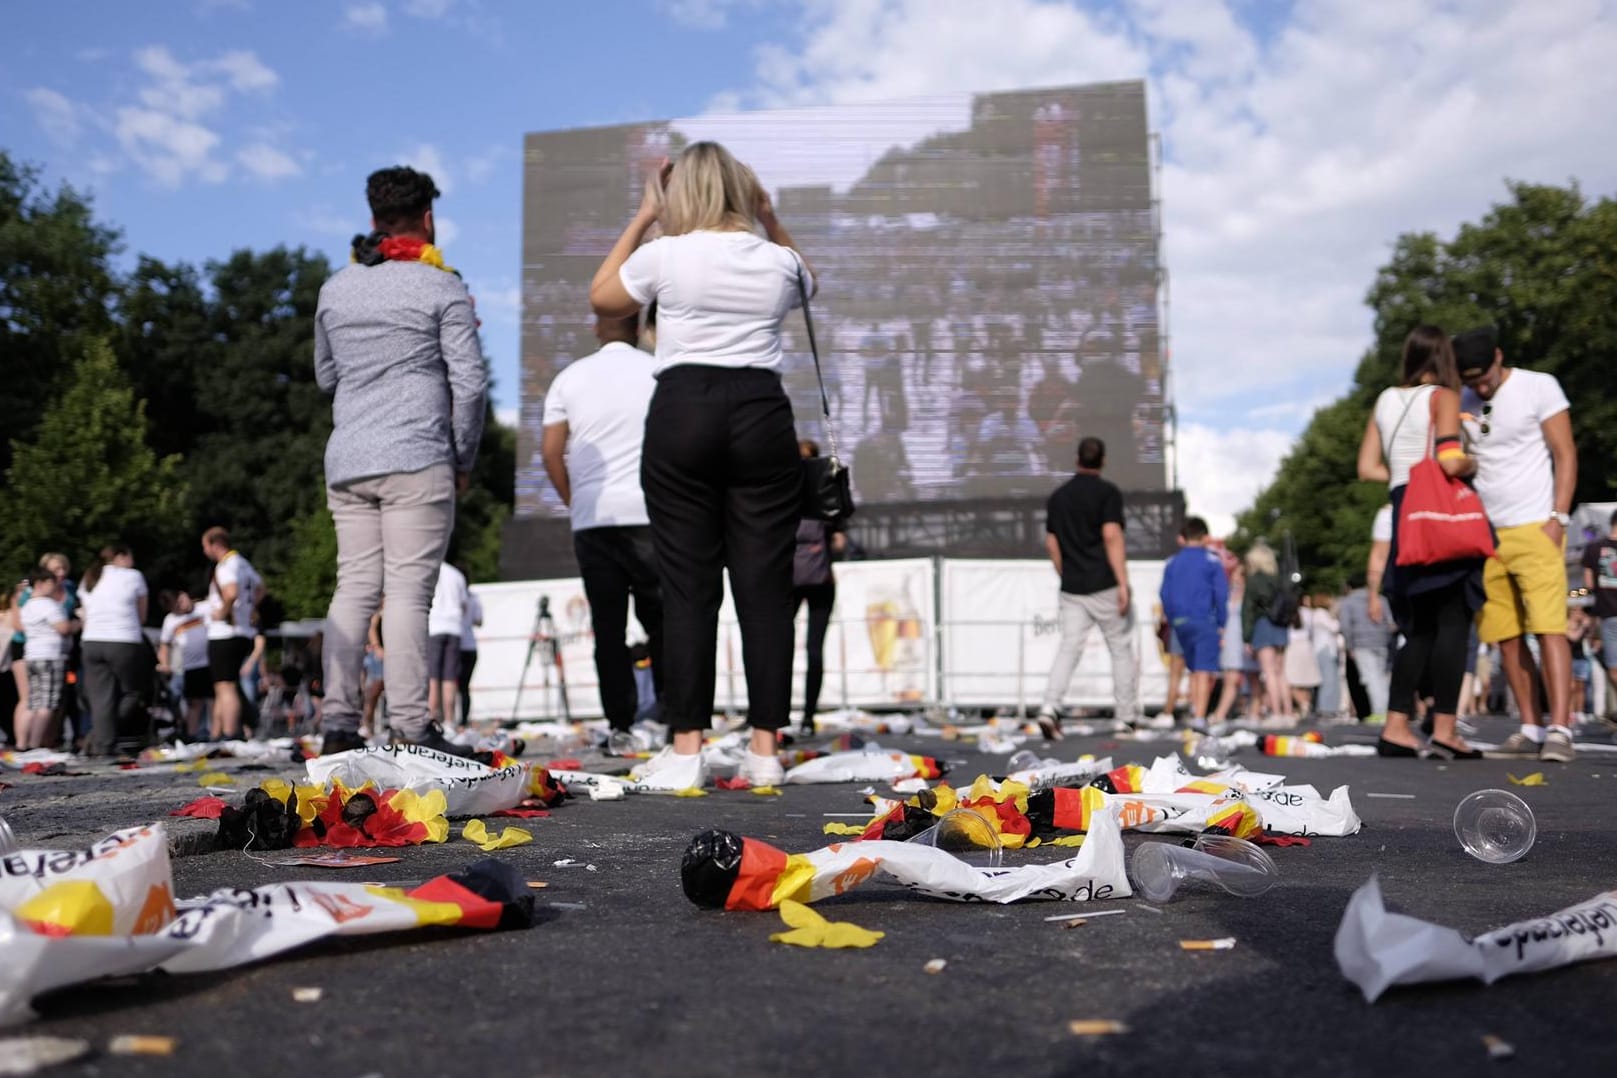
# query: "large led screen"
988, 280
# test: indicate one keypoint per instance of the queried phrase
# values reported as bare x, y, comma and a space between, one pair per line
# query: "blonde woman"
1264, 639
720, 466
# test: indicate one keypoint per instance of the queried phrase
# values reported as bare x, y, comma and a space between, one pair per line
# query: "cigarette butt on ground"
1075, 922
935, 966
1498, 1047
535, 885
1225, 944
134, 1044
307, 995
1096, 1027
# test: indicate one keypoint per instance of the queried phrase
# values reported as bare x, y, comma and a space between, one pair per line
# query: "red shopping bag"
1441, 519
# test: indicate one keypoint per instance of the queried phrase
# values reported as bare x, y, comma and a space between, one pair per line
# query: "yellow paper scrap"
1067, 840
766, 791
216, 778
691, 791
1535, 779
477, 831
809, 929
1096, 1027
199, 764
834, 828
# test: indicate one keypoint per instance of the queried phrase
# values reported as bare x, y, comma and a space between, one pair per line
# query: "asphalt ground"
625, 977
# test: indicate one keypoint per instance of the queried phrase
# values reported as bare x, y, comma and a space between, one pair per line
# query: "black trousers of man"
724, 489
616, 563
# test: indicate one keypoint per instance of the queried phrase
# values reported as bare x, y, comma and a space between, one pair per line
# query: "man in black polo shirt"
1085, 541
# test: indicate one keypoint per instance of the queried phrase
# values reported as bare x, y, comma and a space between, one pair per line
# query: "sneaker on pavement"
1162, 720
761, 770
433, 738
336, 741
1557, 748
668, 770
1517, 744
1049, 724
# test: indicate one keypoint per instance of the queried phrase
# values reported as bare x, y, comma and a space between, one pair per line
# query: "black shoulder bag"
827, 486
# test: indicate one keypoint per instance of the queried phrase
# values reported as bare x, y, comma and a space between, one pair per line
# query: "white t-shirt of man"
237, 570
1515, 476
1381, 527
720, 297
187, 638
111, 613
1404, 418
448, 603
469, 623
603, 399
40, 617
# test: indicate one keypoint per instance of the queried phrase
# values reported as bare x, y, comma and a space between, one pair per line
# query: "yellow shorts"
1526, 583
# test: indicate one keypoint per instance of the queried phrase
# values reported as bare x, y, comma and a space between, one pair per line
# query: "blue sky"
1301, 138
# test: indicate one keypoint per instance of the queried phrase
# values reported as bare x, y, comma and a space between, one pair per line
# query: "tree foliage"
1542, 268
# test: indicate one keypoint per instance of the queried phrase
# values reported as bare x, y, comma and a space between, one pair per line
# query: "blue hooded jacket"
1194, 588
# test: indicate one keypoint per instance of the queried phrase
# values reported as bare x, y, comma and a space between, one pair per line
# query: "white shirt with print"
1515, 476
235, 569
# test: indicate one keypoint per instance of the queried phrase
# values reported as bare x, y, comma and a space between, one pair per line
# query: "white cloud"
325, 222
267, 163
428, 9
173, 88
1295, 155
366, 18
425, 157
168, 148
244, 70
55, 113
501, 301
447, 230
480, 167
1221, 471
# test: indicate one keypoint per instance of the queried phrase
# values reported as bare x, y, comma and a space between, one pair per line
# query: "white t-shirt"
603, 399
233, 568
1404, 434
448, 603
473, 618
111, 613
1381, 527
187, 638
40, 616
720, 297
1515, 477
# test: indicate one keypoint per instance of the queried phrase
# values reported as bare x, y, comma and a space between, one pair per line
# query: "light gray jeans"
1373, 675
392, 533
1078, 614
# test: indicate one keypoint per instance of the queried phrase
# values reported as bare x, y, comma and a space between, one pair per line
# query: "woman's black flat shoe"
1449, 752
1392, 748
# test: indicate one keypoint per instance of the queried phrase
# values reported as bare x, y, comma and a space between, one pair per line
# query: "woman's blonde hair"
1261, 559
709, 189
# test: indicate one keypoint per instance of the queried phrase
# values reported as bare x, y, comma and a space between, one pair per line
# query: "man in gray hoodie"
396, 345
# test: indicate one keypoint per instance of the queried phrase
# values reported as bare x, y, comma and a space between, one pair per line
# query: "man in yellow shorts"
1519, 428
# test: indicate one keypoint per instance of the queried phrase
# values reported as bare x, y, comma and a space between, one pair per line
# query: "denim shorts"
1266, 634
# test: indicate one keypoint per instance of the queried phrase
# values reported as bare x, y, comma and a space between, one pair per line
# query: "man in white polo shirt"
595, 422
1519, 428
234, 591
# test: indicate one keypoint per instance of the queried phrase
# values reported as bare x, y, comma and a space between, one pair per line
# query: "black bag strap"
814, 350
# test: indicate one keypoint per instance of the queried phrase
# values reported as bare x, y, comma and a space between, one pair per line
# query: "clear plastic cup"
1495, 826
1159, 869
968, 835
1022, 760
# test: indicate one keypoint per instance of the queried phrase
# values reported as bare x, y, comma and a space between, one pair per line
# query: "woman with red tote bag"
1433, 604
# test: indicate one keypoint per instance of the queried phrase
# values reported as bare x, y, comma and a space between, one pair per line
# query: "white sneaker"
668, 770
761, 770
1162, 720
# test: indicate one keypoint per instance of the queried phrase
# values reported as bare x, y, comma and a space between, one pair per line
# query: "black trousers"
820, 599
1433, 655
117, 680
724, 486
1356, 690
615, 564
463, 682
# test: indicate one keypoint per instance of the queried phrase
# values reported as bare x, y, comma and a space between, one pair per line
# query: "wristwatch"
1563, 519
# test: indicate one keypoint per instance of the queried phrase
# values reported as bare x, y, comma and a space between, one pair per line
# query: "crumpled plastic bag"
809, 929
865, 767
120, 886
1376, 949
470, 788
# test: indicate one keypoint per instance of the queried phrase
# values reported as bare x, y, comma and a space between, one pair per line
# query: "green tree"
89, 477
164, 342
306, 582
56, 291
1542, 267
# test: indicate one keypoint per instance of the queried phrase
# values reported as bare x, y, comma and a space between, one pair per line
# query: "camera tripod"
545, 640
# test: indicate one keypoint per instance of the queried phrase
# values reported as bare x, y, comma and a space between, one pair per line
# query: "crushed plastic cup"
1028, 760
1495, 826
1159, 869
968, 835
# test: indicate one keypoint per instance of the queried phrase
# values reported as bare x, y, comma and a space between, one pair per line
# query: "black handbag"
827, 486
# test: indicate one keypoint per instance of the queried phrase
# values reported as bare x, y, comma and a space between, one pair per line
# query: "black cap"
1474, 350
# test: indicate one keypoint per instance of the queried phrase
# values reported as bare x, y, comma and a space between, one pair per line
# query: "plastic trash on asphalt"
119, 886
470, 788
967, 834
1159, 869
1495, 826
1376, 949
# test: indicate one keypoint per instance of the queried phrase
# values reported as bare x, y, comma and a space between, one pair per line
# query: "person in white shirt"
721, 472
117, 659
1519, 425
234, 592
595, 421
468, 653
444, 620
182, 648
47, 632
